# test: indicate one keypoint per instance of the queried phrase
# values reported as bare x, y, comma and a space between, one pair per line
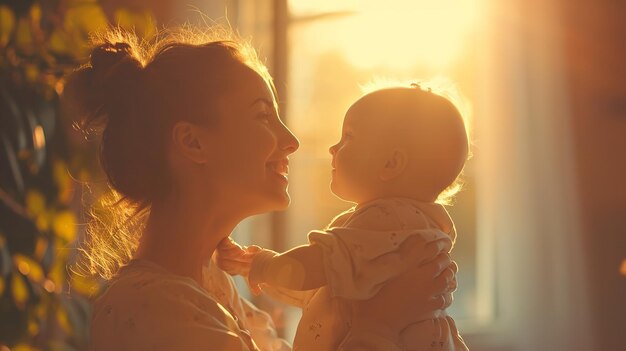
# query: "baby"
400, 150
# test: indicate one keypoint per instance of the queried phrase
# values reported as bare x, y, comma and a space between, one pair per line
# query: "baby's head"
400, 142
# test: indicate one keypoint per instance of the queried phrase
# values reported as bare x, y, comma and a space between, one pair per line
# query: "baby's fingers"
227, 266
241, 258
233, 267
228, 243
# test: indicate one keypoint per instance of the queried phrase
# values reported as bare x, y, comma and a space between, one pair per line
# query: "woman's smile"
279, 168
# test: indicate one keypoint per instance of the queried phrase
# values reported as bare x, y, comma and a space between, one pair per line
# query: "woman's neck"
180, 238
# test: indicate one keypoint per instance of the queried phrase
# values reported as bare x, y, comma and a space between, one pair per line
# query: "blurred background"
542, 217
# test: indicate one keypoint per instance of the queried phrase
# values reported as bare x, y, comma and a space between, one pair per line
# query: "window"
518, 216
334, 48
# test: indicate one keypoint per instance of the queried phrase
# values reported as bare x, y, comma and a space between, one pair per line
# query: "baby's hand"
252, 251
232, 257
237, 260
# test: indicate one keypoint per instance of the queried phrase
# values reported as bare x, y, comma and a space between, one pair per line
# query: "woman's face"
251, 165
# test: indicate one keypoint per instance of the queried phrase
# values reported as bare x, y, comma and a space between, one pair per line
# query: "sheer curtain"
528, 206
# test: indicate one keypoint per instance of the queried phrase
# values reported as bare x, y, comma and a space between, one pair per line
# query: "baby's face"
358, 158
398, 142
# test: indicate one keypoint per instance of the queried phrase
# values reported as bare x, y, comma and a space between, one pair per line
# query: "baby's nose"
332, 149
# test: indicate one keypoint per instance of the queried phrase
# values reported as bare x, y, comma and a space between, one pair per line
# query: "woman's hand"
426, 285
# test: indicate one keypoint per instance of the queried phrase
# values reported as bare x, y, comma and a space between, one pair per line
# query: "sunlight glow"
402, 33
339, 50
308, 7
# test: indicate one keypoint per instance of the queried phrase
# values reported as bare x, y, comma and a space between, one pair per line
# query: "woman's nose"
289, 142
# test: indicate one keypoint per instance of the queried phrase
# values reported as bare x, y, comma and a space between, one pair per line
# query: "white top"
148, 308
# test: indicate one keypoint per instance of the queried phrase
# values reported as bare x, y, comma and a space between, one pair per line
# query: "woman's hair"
131, 93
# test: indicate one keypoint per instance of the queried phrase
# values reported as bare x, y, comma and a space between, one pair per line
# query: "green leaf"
64, 225
56, 345
82, 21
7, 25
35, 202
24, 37
19, 290
59, 42
24, 347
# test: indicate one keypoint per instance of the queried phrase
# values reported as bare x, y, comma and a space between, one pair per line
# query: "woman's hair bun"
114, 64
109, 55
104, 96
102, 89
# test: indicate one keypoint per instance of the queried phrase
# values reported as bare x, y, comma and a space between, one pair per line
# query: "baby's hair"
446, 89
131, 93
439, 85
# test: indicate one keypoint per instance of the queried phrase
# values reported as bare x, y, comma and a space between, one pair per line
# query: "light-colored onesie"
358, 258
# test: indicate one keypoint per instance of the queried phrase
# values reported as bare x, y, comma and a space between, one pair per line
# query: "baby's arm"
300, 268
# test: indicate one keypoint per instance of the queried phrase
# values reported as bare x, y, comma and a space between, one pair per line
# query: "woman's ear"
394, 166
191, 142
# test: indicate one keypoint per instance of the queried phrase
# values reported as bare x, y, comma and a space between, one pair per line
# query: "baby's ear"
189, 140
394, 166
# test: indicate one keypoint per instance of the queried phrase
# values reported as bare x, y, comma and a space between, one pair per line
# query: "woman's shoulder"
146, 286
145, 305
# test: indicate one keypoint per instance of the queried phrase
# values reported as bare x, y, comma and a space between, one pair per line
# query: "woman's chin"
277, 202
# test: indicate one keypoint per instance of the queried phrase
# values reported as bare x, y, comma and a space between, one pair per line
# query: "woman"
192, 143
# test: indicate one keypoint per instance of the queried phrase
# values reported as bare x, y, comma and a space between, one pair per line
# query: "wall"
596, 45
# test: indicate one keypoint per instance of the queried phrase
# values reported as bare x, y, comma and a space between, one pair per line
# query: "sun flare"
400, 34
